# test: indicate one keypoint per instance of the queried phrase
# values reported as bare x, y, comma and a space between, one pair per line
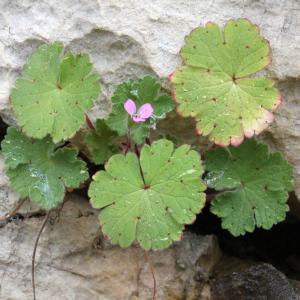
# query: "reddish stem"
89, 122
13, 212
34, 252
136, 150
125, 146
153, 275
210, 197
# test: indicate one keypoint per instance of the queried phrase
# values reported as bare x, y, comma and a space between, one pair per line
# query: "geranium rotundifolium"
149, 195
149, 198
41, 170
216, 86
146, 105
253, 185
54, 92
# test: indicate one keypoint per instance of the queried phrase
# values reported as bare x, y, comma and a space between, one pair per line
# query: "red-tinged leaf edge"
248, 132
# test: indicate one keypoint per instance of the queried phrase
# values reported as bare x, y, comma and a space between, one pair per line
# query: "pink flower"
143, 113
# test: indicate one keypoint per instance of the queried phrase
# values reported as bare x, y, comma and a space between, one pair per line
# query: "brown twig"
34, 251
13, 212
153, 275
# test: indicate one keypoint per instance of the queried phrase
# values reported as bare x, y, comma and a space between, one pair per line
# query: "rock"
8, 198
296, 285
127, 39
229, 264
284, 133
75, 262
202, 252
260, 282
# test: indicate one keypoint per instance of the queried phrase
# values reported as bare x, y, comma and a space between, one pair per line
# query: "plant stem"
89, 122
153, 275
34, 251
210, 197
228, 151
13, 212
137, 152
128, 144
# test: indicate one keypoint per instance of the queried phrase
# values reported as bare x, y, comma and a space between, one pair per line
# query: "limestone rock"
130, 38
127, 39
284, 133
8, 198
75, 262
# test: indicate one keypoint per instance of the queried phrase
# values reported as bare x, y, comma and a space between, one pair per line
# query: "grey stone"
74, 261
200, 252
127, 39
260, 282
8, 198
284, 134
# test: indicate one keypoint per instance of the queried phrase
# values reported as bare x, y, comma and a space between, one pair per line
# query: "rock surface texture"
261, 282
127, 39
8, 198
74, 262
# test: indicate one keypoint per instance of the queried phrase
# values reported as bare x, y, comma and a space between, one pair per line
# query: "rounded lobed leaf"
54, 92
254, 185
214, 88
145, 90
149, 199
38, 170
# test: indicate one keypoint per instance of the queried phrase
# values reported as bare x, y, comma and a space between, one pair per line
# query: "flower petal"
145, 111
130, 107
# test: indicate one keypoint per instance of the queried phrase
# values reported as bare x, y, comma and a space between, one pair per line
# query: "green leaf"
151, 198
254, 185
38, 170
54, 92
145, 90
100, 142
214, 86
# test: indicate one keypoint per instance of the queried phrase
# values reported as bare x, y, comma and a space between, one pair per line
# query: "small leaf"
54, 92
254, 184
100, 142
38, 170
139, 132
214, 86
145, 90
151, 198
